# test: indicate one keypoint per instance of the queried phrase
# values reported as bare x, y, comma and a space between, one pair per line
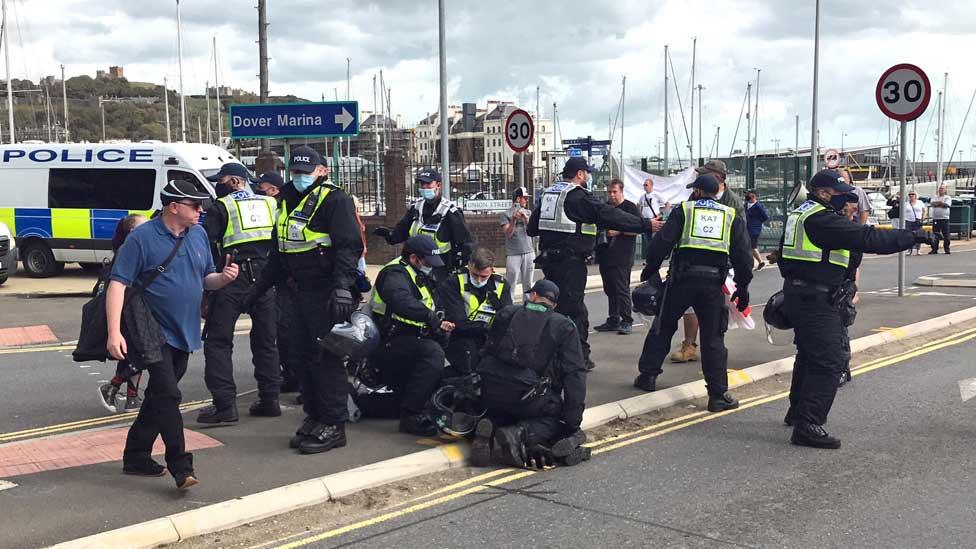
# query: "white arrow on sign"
344, 119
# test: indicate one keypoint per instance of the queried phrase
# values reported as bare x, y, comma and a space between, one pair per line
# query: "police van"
63, 201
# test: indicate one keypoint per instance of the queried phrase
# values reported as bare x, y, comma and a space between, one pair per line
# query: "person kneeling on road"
533, 383
410, 358
705, 237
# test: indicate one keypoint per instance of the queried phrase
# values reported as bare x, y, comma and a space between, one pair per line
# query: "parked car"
8, 253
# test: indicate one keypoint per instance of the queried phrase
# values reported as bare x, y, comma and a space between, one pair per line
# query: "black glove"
741, 299
384, 232
342, 305
434, 320
924, 237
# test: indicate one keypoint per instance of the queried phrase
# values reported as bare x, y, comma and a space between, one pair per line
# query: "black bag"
93, 339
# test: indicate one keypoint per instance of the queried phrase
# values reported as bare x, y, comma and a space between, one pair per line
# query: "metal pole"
101, 107
64, 97
914, 138
748, 123
755, 115
691, 124
206, 86
166, 100
521, 178
179, 52
263, 60
700, 88
47, 98
537, 157
623, 108
816, 70
220, 125
666, 110
6, 59
376, 136
199, 130
445, 146
796, 148
902, 165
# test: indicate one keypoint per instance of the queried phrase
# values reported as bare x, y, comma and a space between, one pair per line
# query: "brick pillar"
394, 186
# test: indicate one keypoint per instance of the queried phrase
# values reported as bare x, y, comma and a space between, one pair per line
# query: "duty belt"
799, 283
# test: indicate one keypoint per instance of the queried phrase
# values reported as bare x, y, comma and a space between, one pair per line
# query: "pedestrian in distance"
652, 209
519, 250
124, 372
174, 300
616, 259
756, 217
913, 213
939, 209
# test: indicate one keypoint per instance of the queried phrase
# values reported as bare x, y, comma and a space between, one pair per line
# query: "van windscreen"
103, 189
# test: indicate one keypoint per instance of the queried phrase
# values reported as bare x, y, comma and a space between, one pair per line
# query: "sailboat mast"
6, 60
179, 51
666, 113
691, 138
220, 127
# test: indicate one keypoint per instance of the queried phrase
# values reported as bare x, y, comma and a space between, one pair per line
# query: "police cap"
304, 159
574, 165
235, 169
831, 179
423, 245
428, 175
547, 289
706, 183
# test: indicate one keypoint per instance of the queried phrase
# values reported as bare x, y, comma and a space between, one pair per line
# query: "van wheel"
38, 261
3, 279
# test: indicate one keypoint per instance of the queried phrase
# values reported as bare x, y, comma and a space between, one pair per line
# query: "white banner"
666, 189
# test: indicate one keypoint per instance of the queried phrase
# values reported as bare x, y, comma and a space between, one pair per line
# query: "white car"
8, 253
879, 207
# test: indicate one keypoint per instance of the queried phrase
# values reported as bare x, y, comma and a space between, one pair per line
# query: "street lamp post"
842, 136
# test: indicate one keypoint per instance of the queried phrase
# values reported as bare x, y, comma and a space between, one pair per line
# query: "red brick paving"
26, 335
75, 450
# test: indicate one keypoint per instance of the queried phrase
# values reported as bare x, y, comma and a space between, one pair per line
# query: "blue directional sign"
286, 120
572, 152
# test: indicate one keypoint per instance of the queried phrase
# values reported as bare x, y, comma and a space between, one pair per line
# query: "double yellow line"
504, 476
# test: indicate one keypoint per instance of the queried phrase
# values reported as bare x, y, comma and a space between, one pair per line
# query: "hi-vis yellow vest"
552, 212
378, 306
250, 218
294, 236
430, 227
708, 226
797, 245
479, 311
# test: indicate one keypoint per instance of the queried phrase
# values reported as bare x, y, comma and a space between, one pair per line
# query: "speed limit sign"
519, 130
903, 92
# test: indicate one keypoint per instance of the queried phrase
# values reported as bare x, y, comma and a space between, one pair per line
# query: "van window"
198, 184
103, 189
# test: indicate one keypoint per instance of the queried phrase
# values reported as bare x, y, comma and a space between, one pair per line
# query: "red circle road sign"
903, 92
831, 158
519, 130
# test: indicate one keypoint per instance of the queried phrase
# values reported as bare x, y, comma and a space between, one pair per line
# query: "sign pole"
902, 170
521, 178
287, 158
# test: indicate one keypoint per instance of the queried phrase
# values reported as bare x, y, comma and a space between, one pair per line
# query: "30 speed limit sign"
903, 92
519, 130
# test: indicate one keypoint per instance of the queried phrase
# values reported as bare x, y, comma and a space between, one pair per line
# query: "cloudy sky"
575, 51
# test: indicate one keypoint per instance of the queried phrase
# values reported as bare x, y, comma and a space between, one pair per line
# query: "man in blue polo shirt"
174, 300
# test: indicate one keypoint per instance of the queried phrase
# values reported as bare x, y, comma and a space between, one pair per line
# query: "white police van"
63, 201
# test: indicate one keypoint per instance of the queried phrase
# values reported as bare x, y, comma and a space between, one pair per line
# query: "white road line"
6, 485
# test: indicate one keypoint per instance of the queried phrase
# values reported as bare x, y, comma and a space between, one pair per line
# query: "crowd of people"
292, 256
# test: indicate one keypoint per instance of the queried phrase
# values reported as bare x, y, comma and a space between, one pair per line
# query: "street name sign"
292, 120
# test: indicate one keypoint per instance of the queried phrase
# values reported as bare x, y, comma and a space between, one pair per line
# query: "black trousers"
616, 284
291, 370
940, 228
462, 353
541, 417
412, 366
218, 346
570, 275
822, 353
160, 416
708, 303
325, 388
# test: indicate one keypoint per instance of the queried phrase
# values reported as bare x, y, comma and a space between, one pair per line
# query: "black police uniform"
450, 229
410, 358
572, 213
471, 322
225, 308
533, 373
696, 277
317, 274
812, 304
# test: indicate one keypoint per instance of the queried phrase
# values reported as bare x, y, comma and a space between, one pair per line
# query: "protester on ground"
616, 259
124, 373
410, 358
818, 253
939, 209
913, 213
533, 387
756, 217
651, 209
470, 301
174, 299
240, 227
519, 250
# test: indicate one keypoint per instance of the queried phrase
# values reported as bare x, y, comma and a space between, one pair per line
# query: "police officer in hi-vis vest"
819, 252
705, 237
239, 226
566, 220
438, 218
318, 245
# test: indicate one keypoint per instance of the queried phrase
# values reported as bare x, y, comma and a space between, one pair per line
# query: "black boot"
646, 382
814, 436
789, 418
419, 425
265, 408
307, 426
212, 415
608, 326
722, 402
481, 444
323, 438
509, 446
565, 446
576, 456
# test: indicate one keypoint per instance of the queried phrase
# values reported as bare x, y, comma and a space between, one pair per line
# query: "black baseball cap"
272, 178
547, 289
428, 175
706, 183
574, 165
181, 189
831, 179
304, 159
520, 192
235, 169
424, 245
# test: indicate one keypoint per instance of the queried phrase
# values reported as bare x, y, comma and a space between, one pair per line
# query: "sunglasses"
194, 205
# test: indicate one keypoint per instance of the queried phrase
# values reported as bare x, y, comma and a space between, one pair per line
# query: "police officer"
437, 217
533, 383
818, 252
706, 237
239, 227
410, 357
470, 301
565, 220
318, 246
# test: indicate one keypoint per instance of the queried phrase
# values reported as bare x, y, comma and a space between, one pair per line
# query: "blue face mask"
303, 181
428, 194
476, 283
426, 269
838, 202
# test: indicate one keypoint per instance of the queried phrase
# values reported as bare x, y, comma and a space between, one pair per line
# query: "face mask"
303, 181
476, 283
719, 195
838, 202
428, 194
426, 269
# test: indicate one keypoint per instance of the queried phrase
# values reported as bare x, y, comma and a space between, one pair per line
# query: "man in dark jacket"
756, 216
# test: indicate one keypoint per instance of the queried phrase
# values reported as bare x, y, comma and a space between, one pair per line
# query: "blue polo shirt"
174, 297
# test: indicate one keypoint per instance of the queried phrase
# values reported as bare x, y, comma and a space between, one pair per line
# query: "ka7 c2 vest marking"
708, 226
250, 218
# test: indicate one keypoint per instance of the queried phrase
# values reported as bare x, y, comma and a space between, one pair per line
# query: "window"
543, 141
102, 189
173, 175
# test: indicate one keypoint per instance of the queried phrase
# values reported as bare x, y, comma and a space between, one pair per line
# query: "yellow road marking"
68, 346
463, 483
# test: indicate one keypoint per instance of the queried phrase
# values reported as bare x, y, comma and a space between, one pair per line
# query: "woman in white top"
913, 214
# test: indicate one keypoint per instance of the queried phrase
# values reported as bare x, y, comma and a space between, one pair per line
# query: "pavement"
57, 399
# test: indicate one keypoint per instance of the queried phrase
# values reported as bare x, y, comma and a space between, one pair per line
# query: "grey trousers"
520, 268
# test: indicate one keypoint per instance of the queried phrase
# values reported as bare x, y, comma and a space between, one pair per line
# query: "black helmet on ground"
355, 339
